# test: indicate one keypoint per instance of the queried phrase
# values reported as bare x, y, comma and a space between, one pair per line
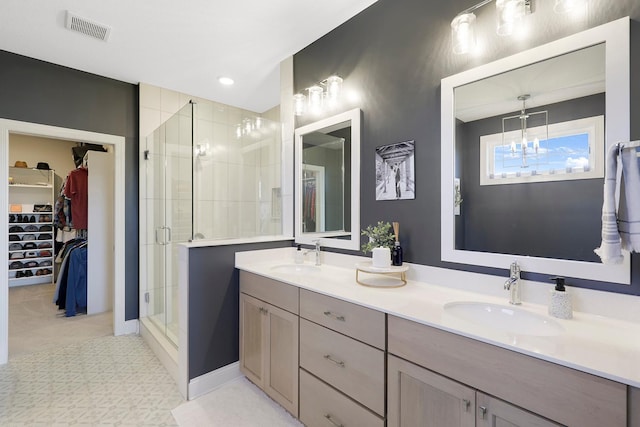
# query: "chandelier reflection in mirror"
321, 96
529, 148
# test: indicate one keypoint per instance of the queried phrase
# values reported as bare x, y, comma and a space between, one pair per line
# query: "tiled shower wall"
237, 177
236, 183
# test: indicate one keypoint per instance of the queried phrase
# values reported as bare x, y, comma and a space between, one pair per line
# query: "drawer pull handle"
483, 412
328, 417
467, 404
337, 317
263, 310
331, 359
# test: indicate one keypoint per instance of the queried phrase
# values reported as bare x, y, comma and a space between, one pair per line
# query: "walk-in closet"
60, 242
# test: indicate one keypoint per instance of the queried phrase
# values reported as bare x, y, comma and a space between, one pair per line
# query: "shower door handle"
166, 235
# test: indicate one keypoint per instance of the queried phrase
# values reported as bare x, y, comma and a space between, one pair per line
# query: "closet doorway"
12, 129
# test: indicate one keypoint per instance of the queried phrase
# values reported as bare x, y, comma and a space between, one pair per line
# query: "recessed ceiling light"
227, 81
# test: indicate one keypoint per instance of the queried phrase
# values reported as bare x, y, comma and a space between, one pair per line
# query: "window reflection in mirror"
509, 150
518, 201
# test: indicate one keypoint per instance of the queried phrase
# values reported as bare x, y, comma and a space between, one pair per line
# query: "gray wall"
39, 92
214, 305
395, 53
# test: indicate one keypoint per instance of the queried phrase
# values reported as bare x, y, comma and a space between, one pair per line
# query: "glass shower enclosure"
211, 171
169, 216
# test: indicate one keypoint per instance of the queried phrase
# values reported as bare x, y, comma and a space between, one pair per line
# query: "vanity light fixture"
509, 14
522, 148
323, 94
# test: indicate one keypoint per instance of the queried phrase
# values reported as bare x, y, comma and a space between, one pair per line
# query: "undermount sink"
503, 318
296, 268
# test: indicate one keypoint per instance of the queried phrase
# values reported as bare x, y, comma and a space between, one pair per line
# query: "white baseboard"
128, 327
214, 379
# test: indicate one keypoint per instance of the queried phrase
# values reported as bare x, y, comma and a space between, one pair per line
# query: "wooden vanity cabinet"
342, 363
269, 337
554, 392
419, 397
634, 407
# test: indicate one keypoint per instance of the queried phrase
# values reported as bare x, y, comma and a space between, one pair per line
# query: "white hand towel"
629, 210
610, 251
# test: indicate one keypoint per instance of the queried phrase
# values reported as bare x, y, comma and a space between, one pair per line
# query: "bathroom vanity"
394, 357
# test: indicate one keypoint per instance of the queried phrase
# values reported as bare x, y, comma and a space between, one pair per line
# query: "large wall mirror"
327, 171
523, 145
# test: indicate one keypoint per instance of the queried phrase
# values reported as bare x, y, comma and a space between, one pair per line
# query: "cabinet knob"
328, 417
331, 359
467, 404
483, 412
263, 310
335, 316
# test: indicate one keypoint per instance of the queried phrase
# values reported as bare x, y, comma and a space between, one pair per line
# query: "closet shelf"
24, 197
31, 185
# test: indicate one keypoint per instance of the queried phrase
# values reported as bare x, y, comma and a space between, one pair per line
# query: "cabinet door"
493, 412
281, 358
253, 338
419, 397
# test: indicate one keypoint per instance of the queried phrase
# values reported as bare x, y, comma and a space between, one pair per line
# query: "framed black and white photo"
395, 171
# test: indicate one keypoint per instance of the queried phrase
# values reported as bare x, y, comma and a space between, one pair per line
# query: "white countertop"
604, 346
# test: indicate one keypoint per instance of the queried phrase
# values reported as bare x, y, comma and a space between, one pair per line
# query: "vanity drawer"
352, 367
353, 320
562, 394
269, 290
322, 406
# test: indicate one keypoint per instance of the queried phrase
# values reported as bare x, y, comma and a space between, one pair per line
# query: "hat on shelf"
31, 254
16, 255
14, 238
45, 218
15, 265
15, 247
30, 228
45, 227
44, 245
43, 165
30, 245
16, 229
29, 237
20, 164
45, 254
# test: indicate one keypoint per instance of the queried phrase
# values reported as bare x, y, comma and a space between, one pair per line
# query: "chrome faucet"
513, 284
316, 250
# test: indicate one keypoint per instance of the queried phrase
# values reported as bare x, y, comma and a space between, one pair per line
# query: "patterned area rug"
106, 381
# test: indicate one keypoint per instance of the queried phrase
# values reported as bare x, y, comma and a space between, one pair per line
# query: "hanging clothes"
71, 287
76, 190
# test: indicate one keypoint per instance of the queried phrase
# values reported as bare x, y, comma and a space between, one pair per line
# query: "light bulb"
315, 98
463, 33
299, 104
509, 13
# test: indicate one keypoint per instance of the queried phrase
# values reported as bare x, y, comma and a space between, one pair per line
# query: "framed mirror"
516, 183
327, 180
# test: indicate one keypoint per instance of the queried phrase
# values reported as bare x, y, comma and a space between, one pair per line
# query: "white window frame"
593, 126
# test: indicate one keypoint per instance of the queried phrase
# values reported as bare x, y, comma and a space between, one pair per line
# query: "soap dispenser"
396, 253
299, 255
560, 304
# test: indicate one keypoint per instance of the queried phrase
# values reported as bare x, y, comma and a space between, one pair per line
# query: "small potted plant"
381, 241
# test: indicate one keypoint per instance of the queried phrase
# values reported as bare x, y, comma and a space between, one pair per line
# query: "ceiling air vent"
87, 27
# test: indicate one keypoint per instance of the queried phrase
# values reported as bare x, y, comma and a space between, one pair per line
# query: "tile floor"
73, 372
106, 381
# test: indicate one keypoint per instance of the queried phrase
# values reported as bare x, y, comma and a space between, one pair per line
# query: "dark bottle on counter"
396, 254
